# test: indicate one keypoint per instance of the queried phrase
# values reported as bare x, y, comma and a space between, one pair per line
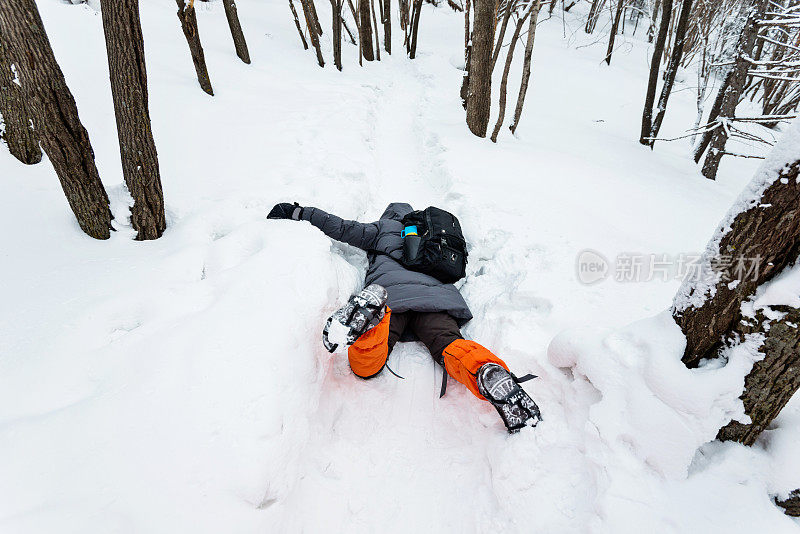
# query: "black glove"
284, 210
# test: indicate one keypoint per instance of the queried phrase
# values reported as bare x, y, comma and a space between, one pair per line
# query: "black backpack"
442, 251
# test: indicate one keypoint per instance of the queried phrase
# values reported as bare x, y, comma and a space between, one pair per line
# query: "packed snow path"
181, 385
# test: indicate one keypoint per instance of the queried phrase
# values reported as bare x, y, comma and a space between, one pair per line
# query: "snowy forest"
195, 210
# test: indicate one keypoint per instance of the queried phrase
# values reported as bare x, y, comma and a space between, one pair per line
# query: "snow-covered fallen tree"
747, 296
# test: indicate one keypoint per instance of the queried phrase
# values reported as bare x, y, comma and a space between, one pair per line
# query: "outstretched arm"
354, 233
361, 235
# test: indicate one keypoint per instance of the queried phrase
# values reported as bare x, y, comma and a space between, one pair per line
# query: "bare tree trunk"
651, 28
594, 14
365, 30
526, 65
297, 23
336, 10
509, 5
467, 49
358, 29
311, 22
55, 115
731, 93
655, 65
126, 65
672, 68
703, 74
415, 14
386, 16
614, 28
375, 29
404, 6
188, 18
347, 29
19, 135
504, 81
480, 68
712, 116
236, 30
313, 8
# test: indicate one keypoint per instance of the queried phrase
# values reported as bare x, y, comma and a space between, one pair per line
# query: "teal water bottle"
411, 241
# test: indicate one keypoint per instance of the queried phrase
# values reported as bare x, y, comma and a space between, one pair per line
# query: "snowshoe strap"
391, 371
523, 378
517, 379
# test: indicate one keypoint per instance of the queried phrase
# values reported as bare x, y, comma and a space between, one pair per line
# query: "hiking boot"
500, 388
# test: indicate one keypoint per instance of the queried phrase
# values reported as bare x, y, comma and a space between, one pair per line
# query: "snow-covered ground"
181, 385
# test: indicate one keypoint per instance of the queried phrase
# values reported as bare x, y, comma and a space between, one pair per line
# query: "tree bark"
336, 10
416, 12
297, 23
651, 28
404, 7
19, 135
126, 65
55, 116
358, 29
236, 30
510, 5
375, 29
386, 15
732, 93
791, 506
701, 146
773, 380
365, 30
655, 64
672, 68
188, 18
464, 93
480, 68
347, 29
315, 18
594, 13
504, 81
769, 231
311, 22
614, 28
526, 65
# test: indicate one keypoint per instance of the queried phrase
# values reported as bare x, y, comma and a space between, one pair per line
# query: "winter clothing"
285, 210
436, 330
463, 359
369, 353
408, 290
418, 307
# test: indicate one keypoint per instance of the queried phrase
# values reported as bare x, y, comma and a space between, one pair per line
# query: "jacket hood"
397, 210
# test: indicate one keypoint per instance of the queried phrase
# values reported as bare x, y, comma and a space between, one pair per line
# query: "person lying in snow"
418, 306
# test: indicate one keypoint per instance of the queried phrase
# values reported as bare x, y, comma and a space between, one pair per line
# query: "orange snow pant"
461, 358
369, 353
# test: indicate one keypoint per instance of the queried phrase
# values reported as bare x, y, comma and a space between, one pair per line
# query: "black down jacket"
408, 290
